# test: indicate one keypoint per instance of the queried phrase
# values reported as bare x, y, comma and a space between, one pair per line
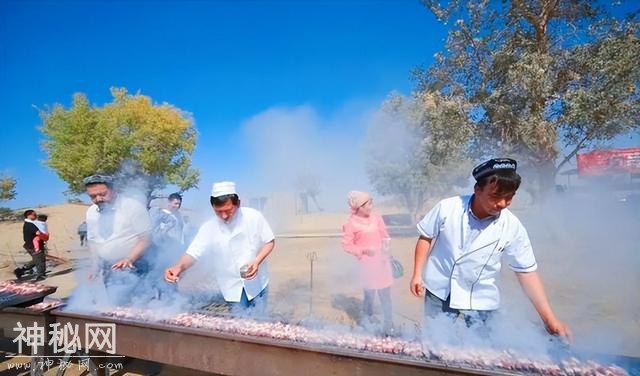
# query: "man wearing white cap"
240, 239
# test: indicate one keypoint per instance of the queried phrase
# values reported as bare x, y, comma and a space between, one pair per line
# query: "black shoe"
19, 272
39, 278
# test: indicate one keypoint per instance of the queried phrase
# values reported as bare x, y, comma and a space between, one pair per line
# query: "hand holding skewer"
557, 327
417, 286
125, 263
172, 275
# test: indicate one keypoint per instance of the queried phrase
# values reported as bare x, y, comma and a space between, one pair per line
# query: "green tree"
538, 77
407, 155
7, 188
155, 140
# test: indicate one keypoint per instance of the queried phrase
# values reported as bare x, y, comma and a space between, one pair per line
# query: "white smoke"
289, 143
585, 244
140, 287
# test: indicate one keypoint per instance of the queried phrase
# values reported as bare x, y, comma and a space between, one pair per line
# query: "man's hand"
253, 270
557, 327
172, 274
532, 285
122, 264
416, 286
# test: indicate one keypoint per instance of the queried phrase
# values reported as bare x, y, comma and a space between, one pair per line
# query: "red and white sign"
609, 162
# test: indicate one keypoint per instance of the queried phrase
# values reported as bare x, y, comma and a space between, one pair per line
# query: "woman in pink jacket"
365, 236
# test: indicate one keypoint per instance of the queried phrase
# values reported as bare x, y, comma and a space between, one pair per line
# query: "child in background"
43, 233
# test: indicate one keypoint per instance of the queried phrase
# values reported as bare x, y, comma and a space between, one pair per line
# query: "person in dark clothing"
82, 232
38, 258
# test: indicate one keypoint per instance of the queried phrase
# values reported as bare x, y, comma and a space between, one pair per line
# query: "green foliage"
541, 77
407, 155
85, 139
7, 188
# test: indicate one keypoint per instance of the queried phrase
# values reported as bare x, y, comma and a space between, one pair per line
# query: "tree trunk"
546, 180
408, 202
315, 201
304, 203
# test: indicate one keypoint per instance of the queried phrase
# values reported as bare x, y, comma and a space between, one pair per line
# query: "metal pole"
311, 256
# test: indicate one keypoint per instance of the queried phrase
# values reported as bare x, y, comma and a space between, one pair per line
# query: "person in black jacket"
38, 258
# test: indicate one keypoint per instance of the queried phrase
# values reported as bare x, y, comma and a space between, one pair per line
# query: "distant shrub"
8, 215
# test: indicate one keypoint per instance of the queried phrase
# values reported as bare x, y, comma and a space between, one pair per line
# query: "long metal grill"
16, 293
216, 309
219, 343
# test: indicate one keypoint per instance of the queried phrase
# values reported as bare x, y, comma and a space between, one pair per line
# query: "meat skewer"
485, 359
22, 288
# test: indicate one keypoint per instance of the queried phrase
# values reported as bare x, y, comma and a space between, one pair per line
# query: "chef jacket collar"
472, 214
234, 220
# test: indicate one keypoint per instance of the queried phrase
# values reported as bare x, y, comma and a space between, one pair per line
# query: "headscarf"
357, 199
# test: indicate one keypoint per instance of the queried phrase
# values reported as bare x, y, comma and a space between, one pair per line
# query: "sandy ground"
593, 287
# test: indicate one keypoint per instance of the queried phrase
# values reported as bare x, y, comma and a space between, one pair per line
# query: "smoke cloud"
585, 239
298, 142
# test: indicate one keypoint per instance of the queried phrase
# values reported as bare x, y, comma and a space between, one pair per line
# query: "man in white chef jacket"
118, 235
240, 240
463, 242
118, 226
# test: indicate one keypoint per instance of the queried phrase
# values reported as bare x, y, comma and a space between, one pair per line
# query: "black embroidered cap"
494, 165
98, 179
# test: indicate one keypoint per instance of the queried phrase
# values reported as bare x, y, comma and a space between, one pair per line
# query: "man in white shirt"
118, 229
463, 241
240, 239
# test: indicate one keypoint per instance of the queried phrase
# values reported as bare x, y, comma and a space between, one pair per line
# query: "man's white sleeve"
266, 234
518, 252
92, 227
429, 226
200, 242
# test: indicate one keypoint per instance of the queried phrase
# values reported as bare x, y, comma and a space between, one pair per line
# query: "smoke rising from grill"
584, 240
290, 144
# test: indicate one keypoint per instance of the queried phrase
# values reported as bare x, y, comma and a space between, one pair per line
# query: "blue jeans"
434, 306
385, 300
121, 285
256, 306
125, 286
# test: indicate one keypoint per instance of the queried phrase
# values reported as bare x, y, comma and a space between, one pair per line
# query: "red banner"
609, 162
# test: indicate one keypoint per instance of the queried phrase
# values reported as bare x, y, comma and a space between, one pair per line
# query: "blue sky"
224, 62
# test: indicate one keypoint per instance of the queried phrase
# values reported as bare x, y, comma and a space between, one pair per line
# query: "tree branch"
575, 151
